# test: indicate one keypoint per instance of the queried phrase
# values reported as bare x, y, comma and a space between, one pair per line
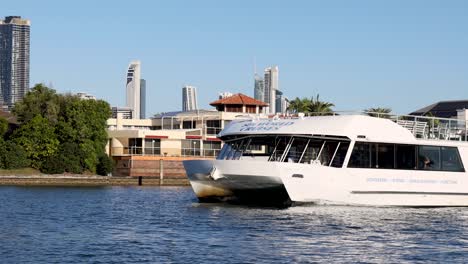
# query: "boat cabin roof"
354, 127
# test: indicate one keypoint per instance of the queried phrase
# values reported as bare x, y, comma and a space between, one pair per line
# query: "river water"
168, 225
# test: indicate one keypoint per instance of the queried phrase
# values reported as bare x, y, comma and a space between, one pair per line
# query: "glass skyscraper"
14, 60
259, 88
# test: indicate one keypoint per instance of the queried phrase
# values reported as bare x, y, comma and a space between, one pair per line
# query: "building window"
189, 124
152, 146
191, 147
135, 146
211, 148
213, 127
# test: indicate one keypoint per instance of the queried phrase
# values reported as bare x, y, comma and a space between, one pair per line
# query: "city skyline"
357, 55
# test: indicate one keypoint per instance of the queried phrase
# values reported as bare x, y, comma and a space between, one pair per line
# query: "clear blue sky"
356, 54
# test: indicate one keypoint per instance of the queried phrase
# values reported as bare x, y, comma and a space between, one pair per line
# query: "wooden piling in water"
161, 172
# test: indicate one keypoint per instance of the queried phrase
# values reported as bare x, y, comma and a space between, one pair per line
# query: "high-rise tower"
133, 88
142, 98
14, 59
189, 98
271, 85
259, 88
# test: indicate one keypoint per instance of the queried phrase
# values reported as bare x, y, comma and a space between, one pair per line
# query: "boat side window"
428, 158
385, 156
451, 159
280, 145
327, 152
340, 155
224, 151
296, 149
311, 151
361, 157
405, 157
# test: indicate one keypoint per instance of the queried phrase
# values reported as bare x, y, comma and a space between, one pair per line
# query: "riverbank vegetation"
56, 133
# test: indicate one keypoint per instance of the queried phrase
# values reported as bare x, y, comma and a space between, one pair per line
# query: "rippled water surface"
167, 225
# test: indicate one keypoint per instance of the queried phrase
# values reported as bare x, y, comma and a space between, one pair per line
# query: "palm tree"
320, 107
299, 105
378, 112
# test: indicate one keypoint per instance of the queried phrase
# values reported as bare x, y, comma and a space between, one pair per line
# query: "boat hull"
237, 182
287, 183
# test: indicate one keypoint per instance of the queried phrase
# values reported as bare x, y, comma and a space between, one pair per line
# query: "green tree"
40, 100
37, 137
320, 107
3, 127
378, 112
61, 129
83, 122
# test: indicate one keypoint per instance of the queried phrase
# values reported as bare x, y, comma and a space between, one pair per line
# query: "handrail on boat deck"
422, 127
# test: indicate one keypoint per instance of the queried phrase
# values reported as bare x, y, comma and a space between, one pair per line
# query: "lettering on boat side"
265, 126
418, 181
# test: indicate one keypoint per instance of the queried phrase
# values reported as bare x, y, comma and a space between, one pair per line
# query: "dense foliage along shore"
56, 133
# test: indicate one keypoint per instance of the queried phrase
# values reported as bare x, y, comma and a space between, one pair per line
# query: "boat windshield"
283, 148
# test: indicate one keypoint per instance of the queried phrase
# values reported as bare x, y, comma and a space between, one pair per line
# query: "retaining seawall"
90, 181
128, 171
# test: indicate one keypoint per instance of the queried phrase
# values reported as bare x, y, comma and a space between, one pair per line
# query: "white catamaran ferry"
340, 159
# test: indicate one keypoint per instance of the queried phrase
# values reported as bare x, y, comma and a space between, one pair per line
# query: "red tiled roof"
238, 99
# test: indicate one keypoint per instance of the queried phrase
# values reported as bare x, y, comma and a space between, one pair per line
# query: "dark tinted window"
428, 158
361, 156
385, 156
405, 157
451, 159
340, 155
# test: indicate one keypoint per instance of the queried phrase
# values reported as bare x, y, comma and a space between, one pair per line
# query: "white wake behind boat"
341, 159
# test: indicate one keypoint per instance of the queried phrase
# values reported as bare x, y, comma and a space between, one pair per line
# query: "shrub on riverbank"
12, 156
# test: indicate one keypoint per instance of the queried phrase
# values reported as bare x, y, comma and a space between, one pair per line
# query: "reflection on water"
168, 225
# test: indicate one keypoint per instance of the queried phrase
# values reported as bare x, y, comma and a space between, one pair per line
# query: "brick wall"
147, 166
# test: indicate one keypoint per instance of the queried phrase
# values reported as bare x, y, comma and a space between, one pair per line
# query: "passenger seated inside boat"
428, 164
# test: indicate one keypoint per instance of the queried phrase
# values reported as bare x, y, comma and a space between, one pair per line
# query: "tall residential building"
142, 98
271, 85
14, 59
282, 102
259, 88
189, 98
133, 88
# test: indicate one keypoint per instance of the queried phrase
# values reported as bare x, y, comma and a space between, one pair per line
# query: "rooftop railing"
422, 127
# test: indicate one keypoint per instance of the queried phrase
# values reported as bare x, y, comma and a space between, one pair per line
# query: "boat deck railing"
422, 127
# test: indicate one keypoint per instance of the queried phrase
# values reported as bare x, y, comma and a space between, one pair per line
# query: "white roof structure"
351, 126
